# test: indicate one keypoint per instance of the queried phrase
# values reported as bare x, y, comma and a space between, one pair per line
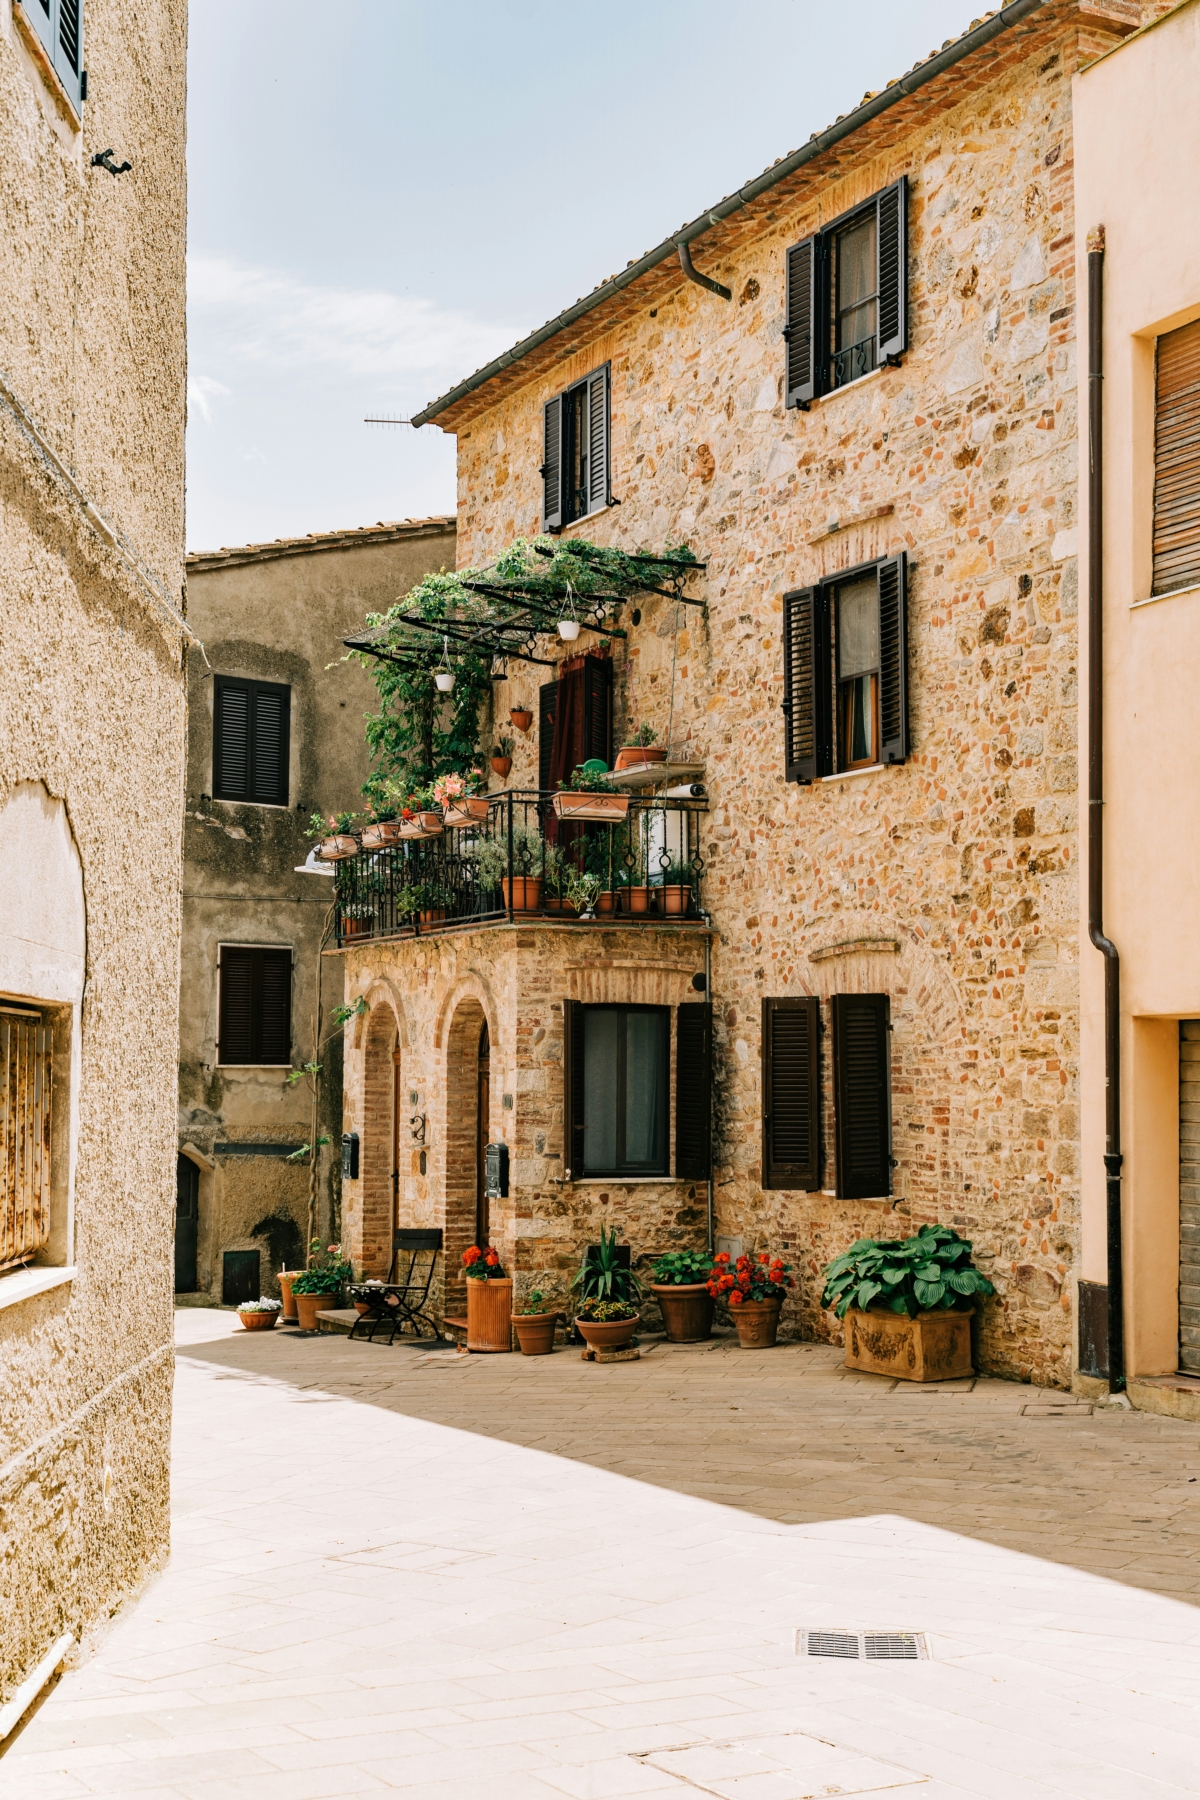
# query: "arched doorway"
468, 1106
483, 1113
371, 1243
187, 1224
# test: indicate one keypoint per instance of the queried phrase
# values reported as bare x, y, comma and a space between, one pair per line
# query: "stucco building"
92, 651
274, 734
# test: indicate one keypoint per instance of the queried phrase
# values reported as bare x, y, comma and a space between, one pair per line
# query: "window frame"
253, 686
585, 405
44, 23
261, 950
812, 675
623, 1168
811, 299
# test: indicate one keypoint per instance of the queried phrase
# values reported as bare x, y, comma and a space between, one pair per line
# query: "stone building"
275, 733
92, 650
851, 389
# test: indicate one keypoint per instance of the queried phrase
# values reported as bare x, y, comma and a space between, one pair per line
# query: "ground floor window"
25, 1094
625, 1079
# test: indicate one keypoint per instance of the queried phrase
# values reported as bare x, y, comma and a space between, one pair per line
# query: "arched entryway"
468, 1108
379, 1149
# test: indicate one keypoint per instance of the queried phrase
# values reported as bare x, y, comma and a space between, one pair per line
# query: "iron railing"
523, 862
854, 361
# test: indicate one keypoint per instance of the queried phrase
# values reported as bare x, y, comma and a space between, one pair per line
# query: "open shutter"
808, 737
552, 465
892, 576
598, 459
597, 709
791, 1093
862, 1095
547, 702
573, 1090
803, 262
68, 47
272, 706
1177, 460
892, 239
275, 1007
693, 1091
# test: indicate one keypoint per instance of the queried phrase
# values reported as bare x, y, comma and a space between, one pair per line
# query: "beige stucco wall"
1138, 181
91, 763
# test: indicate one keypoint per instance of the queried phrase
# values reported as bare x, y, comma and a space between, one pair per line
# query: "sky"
383, 195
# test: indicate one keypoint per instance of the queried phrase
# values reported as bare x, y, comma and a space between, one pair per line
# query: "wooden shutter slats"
255, 1005
275, 1007
547, 701
231, 746
251, 735
801, 291
791, 1093
893, 659
26, 1088
892, 240
552, 466
573, 1090
693, 1090
598, 435
270, 745
862, 1095
1176, 546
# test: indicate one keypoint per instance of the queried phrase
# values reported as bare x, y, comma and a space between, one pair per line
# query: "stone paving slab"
403, 1571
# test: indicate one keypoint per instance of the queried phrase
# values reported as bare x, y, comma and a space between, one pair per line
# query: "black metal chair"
403, 1299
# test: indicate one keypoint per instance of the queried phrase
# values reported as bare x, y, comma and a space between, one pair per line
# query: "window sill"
853, 774
871, 1200
820, 399
23, 1284
625, 1180
596, 513
1193, 587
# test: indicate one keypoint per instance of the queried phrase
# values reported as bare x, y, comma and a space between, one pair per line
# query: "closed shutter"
862, 1095
25, 1105
598, 435
251, 721
1177, 460
808, 737
892, 239
597, 709
693, 1091
236, 1043
275, 1007
803, 360
271, 708
791, 1093
573, 1090
552, 465
893, 659
256, 1005
547, 703
232, 707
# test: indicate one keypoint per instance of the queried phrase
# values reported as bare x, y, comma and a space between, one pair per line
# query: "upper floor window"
847, 309
250, 740
255, 1024
575, 451
59, 26
845, 672
1177, 460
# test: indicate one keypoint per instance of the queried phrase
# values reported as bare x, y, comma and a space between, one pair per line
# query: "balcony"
521, 863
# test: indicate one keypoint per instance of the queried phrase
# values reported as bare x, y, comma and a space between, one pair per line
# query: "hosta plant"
906, 1275
682, 1268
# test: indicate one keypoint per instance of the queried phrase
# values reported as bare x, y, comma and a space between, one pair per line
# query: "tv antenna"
389, 419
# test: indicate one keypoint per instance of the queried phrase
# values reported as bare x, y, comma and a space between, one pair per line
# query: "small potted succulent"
317, 1288
755, 1289
534, 1325
609, 1290
259, 1315
521, 717
489, 1300
502, 757
590, 794
679, 1282
461, 799
335, 832
640, 749
906, 1304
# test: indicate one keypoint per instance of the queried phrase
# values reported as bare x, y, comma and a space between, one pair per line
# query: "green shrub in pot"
925, 1273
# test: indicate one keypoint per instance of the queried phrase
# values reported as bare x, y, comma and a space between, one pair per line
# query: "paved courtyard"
534, 1578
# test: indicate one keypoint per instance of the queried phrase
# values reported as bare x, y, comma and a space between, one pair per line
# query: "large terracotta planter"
258, 1321
672, 899
687, 1310
935, 1346
636, 899
380, 837
606, 902
309, 1305
286, 1294
640, 756
607, 808
535, 1332
358, 927
757, 1323
613, 1335
489, 1316
432, 915
526, 892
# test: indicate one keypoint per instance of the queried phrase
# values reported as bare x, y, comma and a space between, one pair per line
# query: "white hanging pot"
568, 629
445, 681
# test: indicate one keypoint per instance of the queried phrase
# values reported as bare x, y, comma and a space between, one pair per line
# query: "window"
862, 1095
845, 672
617, 1075
575, 452
847, 309
791, 1093
26, 1089
1177, 460
59, 25
256, 1005
251, 722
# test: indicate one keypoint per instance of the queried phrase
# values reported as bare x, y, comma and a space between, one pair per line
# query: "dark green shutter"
552, 464
893, 659
598, 436
800, 330
808, 732
573, 1090
892, 239
862, 1095
791, 1093
693, 1091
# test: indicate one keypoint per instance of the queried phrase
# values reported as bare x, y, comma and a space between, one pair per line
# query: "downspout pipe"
704, 281
1095, 826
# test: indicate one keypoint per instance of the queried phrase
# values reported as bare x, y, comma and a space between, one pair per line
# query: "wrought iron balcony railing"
854, 361
521, 861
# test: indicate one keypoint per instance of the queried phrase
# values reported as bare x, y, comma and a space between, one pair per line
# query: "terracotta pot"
673, 899
286, 1294
470, 809
358, 928
613, 1335
413, 828
606, 808
501, 765
362, 1307
309, 1305
526, 892
935, 1346
379, 837
606, 902
637, 899
521, 717
687, 1310
535, 1332
554, 904
337, 849
489, 1315
430, 821
258, 1321
640, 756
757, 1323
432, 914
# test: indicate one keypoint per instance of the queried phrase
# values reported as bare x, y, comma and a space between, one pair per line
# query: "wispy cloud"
201, 391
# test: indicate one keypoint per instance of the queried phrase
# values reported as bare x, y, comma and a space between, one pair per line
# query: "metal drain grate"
864, 1646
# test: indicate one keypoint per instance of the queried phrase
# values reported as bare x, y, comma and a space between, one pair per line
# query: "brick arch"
463, 1031
381, 1040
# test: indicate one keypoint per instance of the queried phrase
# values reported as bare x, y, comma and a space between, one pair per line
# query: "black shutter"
893, 659
552, 464
573, 1090
862, 1095
693, 1091
275, 1007
272, 706
232, 706
808, 731
791, 1093
598, 459
597, 709
547, 701
892, 239
236, 1043
256, 1005
251, 721
803, 349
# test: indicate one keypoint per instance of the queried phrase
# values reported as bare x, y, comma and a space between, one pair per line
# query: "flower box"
381, 836
357, 927
468, 809
935, 1346
606, 809
431, 822
339, 848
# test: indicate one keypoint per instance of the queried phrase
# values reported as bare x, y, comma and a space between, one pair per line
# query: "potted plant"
607, 1324
674, 888
460, 799
317, 1288
285, 1279
533, 860
502, 757
521, 717
337, 844
755, 1288
534, 1326
382, 830
679, 1282
606, 1280
640, 750
590, 795
358, 919
489, 1301
259, 1315
906, 1303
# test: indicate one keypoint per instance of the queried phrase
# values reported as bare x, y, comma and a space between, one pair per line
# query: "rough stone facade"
91, 757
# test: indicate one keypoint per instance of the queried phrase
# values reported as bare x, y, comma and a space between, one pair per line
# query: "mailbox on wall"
495, 1171
349, 1156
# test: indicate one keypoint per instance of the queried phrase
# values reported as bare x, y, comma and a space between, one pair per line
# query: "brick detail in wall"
461, 1141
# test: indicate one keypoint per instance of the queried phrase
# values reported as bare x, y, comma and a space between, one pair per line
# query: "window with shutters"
26, 1092
791, 1093
251, 737
1177, 460
847, 300
862, 1095
845, 672
575, 457
617, 1076
255, 1023
58, 25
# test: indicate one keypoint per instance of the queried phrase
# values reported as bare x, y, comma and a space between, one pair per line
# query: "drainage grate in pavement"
864, 1646
1056, 1409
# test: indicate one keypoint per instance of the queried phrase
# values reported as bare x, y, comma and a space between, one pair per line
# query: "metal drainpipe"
704, 281
1112, 962
710, 1214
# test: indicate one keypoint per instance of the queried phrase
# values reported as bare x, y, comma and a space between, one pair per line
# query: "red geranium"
761, 1277
482, 1264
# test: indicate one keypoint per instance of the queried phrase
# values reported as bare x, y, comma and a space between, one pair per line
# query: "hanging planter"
606, 808
339, 848
568, 623
443, 675
382, 835
521, 717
